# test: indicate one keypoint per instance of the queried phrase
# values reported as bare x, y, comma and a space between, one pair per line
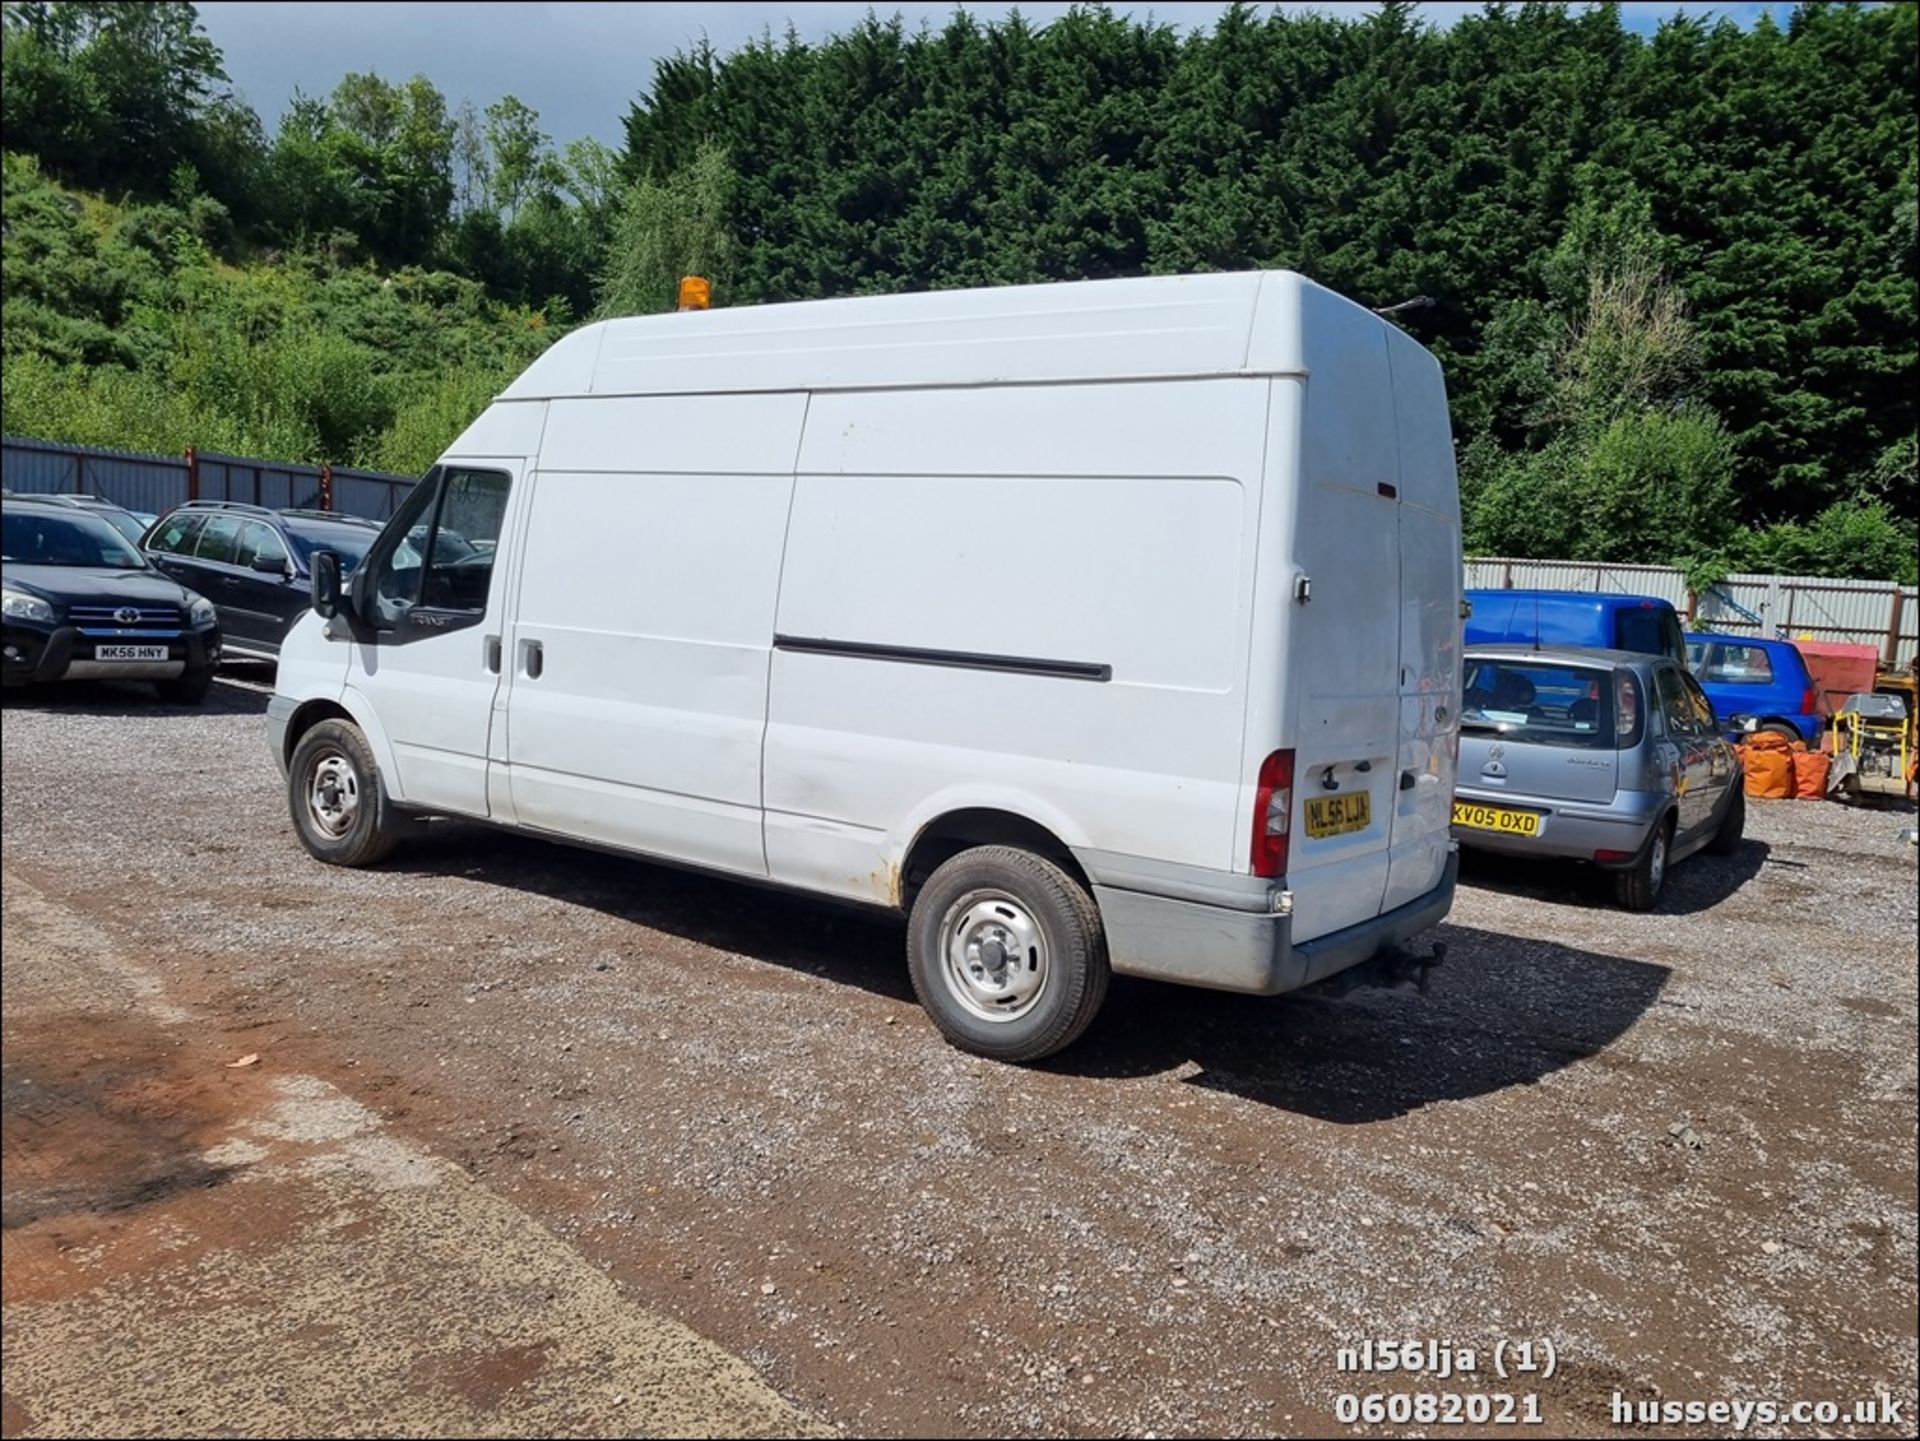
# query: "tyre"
1733, 824
340, 809
1007, 954
188, 688
1638, 888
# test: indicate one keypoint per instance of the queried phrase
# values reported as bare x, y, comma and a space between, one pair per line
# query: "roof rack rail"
228, 505
308, 513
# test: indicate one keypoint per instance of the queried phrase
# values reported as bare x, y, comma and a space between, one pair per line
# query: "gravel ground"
1678, 1146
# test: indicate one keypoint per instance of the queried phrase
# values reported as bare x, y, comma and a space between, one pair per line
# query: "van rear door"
1430, 592
1345, 645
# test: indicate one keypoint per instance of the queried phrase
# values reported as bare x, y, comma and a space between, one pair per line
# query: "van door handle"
1408, 780
532, 658
491, 650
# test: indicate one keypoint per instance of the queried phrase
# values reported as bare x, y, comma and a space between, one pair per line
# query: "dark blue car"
1756, 685
1640, 623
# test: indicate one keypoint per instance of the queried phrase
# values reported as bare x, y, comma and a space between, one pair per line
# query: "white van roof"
1157, 327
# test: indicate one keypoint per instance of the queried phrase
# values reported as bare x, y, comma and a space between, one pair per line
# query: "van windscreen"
1548, 704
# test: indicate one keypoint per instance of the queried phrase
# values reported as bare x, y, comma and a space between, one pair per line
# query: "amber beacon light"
696, 292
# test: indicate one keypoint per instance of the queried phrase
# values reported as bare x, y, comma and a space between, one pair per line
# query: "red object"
1272, 814
1613, 855
1839, 669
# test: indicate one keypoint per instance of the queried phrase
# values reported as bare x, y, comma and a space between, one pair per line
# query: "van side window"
436, 554
460, 558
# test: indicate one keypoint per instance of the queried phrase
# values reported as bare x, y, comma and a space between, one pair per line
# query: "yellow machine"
1873, 742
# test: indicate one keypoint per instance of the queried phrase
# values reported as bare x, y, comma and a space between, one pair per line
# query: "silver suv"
1604, 756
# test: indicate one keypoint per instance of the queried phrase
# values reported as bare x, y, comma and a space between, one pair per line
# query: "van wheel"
1638, 889
340, 808
1007, 954
1733, 825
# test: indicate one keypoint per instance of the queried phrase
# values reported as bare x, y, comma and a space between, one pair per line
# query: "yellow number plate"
1337, 815
1496, 818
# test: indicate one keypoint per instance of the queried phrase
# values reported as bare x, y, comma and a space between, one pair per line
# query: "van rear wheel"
1007, 954
340, 809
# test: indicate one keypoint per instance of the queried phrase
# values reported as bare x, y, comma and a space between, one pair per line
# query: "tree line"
1671, 278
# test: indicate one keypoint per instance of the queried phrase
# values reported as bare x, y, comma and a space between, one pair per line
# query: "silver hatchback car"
1604, 756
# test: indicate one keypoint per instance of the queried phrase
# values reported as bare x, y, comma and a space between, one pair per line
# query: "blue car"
1643, 624
1756, 685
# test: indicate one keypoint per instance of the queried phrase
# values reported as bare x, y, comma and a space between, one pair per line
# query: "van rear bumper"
1195, 944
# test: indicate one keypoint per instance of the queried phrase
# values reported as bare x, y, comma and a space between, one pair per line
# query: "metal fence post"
1892, 652
326, 486
193, 474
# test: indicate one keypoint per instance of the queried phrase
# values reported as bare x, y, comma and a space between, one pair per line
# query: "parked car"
129, 523
81, 604
1757, 685
1642, 623
1611, 757
1069, 620
254, 563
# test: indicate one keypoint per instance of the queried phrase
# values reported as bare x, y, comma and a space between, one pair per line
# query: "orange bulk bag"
1769, 773
1810, 775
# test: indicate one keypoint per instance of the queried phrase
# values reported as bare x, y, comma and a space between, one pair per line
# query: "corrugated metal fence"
1876, 613
1866, 612
154, 483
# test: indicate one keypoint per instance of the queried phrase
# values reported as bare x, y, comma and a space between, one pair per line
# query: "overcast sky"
581, 64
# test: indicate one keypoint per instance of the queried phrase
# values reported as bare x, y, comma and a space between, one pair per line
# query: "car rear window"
1560, 705
1728, 663
1639, 629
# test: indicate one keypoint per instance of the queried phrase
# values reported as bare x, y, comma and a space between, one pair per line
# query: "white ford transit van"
1100, 627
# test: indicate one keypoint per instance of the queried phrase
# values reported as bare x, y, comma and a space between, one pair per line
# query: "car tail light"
1613, 855
1272, 813
1807, 701
1626, 706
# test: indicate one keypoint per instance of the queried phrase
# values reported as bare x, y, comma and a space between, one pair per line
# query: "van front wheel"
1007, 954
340, 809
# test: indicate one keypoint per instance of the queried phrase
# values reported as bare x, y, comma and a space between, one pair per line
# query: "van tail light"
1807, 701
1272, 814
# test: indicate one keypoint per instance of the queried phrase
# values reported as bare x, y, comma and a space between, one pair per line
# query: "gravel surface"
1678, 1146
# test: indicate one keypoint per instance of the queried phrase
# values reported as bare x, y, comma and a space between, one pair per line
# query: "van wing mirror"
326, 583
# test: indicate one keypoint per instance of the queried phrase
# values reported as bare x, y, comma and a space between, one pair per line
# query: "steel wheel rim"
994, 956
1657, 862
333, 795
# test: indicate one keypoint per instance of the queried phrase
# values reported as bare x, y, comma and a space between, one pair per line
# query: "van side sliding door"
637, 661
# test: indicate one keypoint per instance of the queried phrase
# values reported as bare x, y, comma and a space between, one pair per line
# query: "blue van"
1640, 623
1756, 684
